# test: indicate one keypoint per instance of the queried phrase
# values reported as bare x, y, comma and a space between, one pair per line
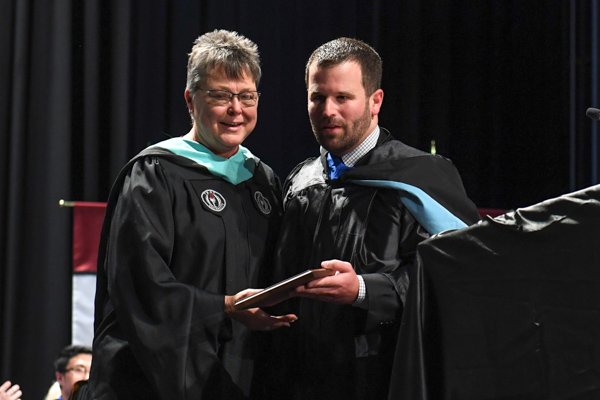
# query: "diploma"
279, 291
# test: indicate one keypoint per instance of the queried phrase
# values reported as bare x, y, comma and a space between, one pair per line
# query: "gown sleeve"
388, 256
172, 327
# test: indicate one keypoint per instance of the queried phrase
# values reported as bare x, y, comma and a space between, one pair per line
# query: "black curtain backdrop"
86, 84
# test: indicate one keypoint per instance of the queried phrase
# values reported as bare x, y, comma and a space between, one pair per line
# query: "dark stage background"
501, 86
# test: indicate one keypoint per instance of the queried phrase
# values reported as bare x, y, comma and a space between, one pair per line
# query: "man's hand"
341, 288
10, 393
255, 318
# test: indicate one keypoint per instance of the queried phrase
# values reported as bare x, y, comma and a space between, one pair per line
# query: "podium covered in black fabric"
507, 309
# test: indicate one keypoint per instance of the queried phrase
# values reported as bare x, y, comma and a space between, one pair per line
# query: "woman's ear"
189, 100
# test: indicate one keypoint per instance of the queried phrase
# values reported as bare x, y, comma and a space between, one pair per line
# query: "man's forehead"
85, 357
315, 67
347, 79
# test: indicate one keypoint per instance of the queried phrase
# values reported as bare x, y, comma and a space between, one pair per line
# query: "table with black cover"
506, 309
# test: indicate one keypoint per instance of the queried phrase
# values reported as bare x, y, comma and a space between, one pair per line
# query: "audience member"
72, 365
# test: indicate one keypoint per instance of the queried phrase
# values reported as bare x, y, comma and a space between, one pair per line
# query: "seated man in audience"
72, 365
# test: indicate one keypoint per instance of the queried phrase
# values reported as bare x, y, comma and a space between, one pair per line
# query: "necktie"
336, 166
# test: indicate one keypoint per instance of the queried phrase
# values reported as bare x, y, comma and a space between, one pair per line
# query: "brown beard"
350, 138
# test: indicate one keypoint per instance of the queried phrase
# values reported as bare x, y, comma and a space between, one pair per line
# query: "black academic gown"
166, 260
341, 351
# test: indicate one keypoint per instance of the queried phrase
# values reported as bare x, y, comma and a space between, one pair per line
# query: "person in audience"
72, 365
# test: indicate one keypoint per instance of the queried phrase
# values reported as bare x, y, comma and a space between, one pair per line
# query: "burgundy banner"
87, 224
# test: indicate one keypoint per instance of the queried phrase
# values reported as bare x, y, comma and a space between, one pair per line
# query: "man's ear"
59, 378
375, 102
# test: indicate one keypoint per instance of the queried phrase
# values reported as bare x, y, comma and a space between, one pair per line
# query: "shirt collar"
352, 157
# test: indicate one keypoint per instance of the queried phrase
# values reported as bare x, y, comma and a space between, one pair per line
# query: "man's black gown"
166, 260
340, 351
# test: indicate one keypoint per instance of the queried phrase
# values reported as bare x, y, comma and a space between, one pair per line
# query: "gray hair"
345, 49
220, 48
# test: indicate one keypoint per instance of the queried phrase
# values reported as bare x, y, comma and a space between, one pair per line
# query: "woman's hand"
255, 318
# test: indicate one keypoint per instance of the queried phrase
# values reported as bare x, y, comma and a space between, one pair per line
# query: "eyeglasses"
79, 369
223, 97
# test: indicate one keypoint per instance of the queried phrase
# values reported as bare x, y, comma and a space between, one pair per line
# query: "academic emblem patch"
213, 200
263, 204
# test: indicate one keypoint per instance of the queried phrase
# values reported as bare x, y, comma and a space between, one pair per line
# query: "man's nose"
329, 107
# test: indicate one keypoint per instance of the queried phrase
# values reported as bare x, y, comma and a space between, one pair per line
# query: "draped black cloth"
506, 309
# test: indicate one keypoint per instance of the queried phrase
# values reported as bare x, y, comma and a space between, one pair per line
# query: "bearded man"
360, 208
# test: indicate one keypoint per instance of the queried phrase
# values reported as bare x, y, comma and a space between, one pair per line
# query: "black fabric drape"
85, 85
506, 309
